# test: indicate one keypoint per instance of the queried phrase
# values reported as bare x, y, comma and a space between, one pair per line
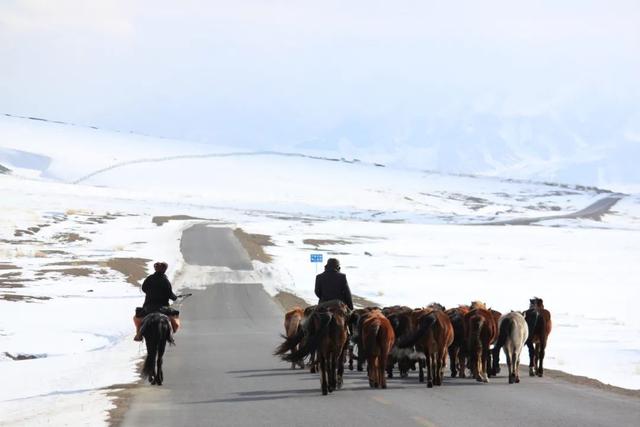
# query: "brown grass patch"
254, 244
5, 266
74, 263
160, 220
135, 269
53, 252
75, 272
70, 237
288, 301
322, 242
25, 298
363, 302
19, 356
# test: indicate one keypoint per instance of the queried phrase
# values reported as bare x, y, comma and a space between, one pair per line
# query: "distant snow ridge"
210, 155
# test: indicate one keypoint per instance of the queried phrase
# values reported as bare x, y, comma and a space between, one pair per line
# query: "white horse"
513, 333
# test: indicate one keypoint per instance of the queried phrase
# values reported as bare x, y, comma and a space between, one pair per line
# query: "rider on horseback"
158, 293
332, 285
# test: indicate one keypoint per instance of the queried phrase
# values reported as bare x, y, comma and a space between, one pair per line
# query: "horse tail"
289, 342
149, 368
532, 316
312, 338
506, 330
369, 340
474, 334
423, 328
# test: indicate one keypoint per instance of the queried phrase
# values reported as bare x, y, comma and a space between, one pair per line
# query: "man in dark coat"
158, 293
332, 284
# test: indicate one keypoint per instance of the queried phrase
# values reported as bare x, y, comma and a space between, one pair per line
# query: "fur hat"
160, 267
332, 264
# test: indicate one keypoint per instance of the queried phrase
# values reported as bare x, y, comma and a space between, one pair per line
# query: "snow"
402, 237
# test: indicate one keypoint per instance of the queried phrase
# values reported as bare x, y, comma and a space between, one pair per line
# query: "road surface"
594, 211
221, 373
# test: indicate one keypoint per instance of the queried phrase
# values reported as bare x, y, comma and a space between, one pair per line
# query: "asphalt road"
221, 373
594, 211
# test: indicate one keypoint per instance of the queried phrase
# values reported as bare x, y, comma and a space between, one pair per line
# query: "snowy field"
75, 242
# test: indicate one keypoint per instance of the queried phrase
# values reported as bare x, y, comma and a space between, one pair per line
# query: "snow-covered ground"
71, 237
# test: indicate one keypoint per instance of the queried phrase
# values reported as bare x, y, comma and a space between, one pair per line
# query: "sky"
423, 82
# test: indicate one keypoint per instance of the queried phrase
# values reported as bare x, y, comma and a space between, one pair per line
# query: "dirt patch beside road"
254, 244
288, 301
135, 269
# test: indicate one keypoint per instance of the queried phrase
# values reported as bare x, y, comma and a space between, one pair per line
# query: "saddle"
167, 311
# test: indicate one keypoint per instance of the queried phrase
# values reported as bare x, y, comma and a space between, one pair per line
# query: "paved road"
221, 373
594, 211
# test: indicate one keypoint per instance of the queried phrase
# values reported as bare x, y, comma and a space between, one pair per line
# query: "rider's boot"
138, 322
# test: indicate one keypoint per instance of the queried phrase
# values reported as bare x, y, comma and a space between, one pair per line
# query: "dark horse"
458, 348
432, 337
325, 333
157, 332
539, 323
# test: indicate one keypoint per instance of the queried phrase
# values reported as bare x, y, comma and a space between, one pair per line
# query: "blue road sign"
316, 257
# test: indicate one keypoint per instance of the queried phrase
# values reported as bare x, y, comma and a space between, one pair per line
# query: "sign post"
315, 259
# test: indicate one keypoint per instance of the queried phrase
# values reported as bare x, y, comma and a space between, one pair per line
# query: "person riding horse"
158, 293
332, 285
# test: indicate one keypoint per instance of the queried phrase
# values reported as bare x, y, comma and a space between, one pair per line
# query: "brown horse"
292, 326
377, 339
458, 348
325, 334
481, 332
356, 318
432, 337
539, 323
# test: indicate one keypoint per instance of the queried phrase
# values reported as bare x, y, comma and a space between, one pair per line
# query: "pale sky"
334, 73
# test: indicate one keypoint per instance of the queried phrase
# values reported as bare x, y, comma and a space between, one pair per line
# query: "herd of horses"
328, 335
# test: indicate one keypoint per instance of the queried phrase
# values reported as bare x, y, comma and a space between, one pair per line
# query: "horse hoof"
454, 374
429, 384
540, 374
485, 380
517, 380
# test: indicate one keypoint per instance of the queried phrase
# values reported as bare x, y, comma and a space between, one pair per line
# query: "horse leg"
541, 349
453, 360
421, 363
462, 360
429, 364
340, 370
351, 357
495, 361
532, 356
516, 357
159, 375
331, 372
486, 354
510, 366
389, 367
313, 363
323, 375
